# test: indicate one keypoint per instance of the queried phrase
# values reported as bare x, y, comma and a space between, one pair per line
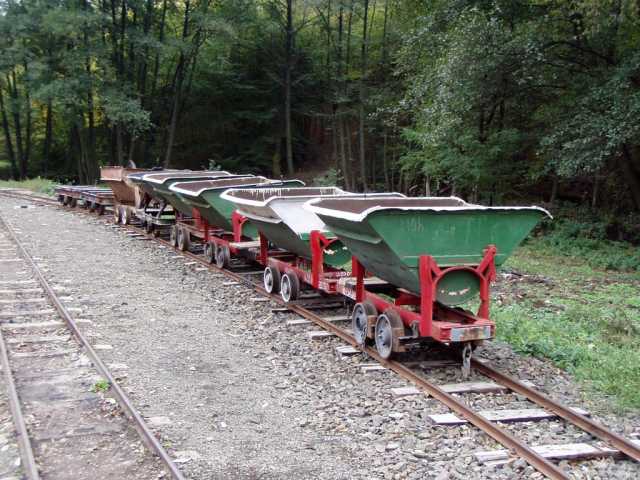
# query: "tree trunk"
349, 25
363, 59
384, 33
81, 160
594, 192
178, 80
335, 160
276, 167
630, 175
17, 125
352, 175
27, 147
46, 148
142, 77
92, 165
90, 153
343, 154
132, 147
172, 128
385, 166
287, 87
119, 145
150, 137
7, 138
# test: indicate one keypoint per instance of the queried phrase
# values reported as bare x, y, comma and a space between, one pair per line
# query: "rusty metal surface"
124, 190
466, 334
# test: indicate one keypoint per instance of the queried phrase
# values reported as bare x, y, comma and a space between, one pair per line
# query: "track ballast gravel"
234, 393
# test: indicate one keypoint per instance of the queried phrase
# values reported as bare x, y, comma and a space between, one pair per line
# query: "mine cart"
159, 214
307, 252
161, 183
213, 221
436, 254
97, 201
129, 197
72, 195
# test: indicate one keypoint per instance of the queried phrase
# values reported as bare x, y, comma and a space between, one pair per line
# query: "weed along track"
464, 399
71, 418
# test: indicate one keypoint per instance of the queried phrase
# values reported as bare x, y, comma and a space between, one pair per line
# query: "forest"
503, 101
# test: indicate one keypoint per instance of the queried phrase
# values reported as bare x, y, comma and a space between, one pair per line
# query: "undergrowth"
586, 320
38, 185
601, 239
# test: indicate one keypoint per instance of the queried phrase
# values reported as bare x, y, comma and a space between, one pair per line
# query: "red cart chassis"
421, 315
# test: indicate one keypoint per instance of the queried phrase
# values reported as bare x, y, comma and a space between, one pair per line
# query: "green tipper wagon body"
389, 236
279, 214
437, 252
160, 184
206, 198
308, 251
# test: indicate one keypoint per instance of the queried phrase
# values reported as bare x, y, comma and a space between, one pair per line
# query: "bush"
38, 185
602, 239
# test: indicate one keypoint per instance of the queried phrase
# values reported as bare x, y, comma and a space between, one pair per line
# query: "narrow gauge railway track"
533, 456
63, 429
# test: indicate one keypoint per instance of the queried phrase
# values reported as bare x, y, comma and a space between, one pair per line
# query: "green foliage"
101, 386
514, 93
586, 234
38, 185
594, 335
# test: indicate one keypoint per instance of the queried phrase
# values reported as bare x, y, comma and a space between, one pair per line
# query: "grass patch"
585, 319
100, 386
38, 185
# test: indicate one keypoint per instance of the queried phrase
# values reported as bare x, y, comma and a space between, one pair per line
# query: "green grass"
585, 319
38, 185
100, 386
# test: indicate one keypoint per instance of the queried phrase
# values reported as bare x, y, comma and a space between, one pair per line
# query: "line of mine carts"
415, 267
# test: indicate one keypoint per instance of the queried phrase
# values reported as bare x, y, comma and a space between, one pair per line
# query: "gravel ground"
235, 393
75, 432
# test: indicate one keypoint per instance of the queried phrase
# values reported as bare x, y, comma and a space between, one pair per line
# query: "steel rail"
585, 423
26, 449
123, 400
499, 434
496, 432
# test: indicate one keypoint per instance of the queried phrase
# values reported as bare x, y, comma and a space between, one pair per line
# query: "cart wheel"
61, 199
124, 216
73, 203
389, 329
223, 257
209, 252
289, 287
271, 279
183, 239
364, 314
92, 207
65, 201
173, 236
148, 226
155, 232
116, 214
100, 209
